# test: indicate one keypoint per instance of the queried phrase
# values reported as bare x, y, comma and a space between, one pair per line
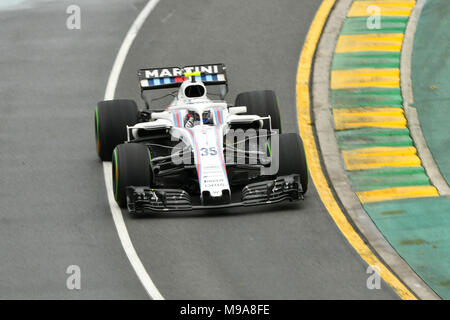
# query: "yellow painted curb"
370, 42
397, 193
369, 117
312, 155
363, 78
387, 8
380, 157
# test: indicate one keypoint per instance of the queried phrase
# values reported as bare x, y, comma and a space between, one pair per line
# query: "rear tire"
262, 103
292, 158
111, 120
131, 167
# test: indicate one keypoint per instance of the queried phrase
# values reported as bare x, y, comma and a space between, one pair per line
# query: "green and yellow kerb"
370, 123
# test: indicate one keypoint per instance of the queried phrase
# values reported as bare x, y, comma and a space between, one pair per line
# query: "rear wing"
172, 77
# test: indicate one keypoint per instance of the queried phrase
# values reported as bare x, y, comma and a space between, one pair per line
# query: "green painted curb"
358, 25
366, 97
357, 60
388, 178
373, 137
417, 228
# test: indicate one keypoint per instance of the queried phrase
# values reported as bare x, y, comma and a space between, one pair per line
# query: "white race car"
197, 152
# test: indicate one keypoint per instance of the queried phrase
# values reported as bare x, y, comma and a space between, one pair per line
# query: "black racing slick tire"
262, 103
292, 158
131, 166
111, 120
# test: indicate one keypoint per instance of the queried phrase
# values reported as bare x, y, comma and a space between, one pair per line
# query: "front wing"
141, 200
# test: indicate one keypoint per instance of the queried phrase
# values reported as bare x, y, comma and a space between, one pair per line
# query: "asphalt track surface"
54, 211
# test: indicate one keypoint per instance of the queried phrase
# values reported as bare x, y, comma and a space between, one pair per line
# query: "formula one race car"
198, 153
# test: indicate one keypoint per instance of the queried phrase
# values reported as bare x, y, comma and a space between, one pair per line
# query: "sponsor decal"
179, 72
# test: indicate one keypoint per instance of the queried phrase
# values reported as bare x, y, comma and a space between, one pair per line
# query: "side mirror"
223, 91
237, 110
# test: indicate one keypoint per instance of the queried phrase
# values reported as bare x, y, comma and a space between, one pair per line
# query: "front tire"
262, 103
131, 167
111, 120
292, 158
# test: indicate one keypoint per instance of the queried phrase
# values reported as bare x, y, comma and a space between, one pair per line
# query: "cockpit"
193, 118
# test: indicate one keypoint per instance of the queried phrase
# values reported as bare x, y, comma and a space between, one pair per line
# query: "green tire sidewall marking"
97, 132
279, 112
116, 174
151, 170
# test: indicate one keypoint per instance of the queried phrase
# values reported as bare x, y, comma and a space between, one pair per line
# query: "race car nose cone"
208, 199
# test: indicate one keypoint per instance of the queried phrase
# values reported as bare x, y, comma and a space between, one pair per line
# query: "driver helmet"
206, 117
192, 118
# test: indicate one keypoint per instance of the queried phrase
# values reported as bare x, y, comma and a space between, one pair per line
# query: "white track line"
116, 212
